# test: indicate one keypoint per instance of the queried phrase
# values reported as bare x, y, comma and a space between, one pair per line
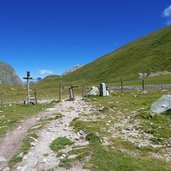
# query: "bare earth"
40, 156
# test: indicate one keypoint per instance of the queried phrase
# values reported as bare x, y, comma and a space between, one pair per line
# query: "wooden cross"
71, 91
28, 89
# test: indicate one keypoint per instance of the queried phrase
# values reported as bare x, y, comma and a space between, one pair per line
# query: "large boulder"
162, 105
94, 91
8, 75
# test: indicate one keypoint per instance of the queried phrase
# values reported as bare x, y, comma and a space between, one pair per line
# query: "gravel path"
40, 156
13, 140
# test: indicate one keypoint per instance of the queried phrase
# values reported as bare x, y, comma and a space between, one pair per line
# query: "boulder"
162, 105
94, 91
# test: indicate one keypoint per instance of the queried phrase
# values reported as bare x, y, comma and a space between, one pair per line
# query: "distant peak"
74, 68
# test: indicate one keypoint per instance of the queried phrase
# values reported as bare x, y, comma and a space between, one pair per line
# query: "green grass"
109, 160
60, 143
66, 163
118, 154
12, 114
158, 125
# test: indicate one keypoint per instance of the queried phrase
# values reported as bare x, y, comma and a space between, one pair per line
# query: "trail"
41, 157
11, 143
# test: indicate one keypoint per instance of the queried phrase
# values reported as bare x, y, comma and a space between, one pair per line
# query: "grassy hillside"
150, 53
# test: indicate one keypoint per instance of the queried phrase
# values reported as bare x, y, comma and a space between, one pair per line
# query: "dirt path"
41, 157
13, 140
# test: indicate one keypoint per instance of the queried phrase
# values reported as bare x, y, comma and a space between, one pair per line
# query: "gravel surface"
40, 156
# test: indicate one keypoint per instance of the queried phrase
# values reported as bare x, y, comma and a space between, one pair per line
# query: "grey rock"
94, 91
139, 146
44, 161
162, 105
6, 169
62, 156
20, 155
33, 144
77, 138
2, 159
72, 156
27, 169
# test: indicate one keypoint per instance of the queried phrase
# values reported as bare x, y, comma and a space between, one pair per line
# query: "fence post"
1, 99
60, 90
121, 85
143, 87
83, 89
35, 95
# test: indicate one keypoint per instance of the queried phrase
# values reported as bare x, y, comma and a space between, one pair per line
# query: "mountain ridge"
8, 74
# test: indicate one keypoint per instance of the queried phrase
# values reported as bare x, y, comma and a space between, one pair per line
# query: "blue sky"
51, 36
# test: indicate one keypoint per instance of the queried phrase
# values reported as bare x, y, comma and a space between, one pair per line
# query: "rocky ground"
41, 157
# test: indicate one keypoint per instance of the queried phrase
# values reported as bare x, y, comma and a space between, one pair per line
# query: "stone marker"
103, 90
162, 105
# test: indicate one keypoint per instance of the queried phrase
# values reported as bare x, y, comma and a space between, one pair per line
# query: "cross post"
28, 86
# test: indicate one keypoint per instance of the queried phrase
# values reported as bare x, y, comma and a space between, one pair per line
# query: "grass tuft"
60, 143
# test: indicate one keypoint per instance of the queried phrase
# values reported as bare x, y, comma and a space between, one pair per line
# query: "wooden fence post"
35, 95
83, 89
121, 85
60, 90
1, 99
143, 87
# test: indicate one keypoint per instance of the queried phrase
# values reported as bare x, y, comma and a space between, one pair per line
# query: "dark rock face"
8, 75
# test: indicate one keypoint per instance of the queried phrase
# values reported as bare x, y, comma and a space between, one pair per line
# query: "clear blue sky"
55, 35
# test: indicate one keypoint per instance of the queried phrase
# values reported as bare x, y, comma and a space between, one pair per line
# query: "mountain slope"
150, 54
8, 75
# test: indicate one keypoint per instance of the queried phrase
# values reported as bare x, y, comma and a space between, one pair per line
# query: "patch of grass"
93, 138
109, 160
89, 126
122, 144
156, 124
11, 115
60, 143
66, 163
51, 169
81, 152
